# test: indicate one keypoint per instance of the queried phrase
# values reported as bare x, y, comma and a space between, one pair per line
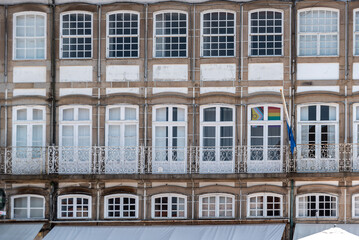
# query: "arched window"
169, 137
29, 36
317, 136
318, 32
75, 139
170, 34
264, 205
28, 137
123, 34
217, 138
169, 206
76, 35
218, 33
264, 138
265, 32
121, 206
74, 206
216, 205
317, 205
27, 206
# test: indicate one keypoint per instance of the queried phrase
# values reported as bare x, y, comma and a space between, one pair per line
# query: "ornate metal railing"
176, 160
23, 160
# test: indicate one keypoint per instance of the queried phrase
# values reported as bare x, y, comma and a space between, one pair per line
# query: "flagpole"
285, 108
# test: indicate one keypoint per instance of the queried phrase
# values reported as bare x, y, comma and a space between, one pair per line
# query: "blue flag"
291, 138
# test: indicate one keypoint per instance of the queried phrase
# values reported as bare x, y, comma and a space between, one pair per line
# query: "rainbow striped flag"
257, 114
273, 113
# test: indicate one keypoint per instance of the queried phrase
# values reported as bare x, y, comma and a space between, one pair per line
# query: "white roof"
198, 232
334, 233
326, 232
19, 231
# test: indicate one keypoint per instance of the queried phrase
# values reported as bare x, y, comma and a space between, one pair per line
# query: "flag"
289, 127
291, 138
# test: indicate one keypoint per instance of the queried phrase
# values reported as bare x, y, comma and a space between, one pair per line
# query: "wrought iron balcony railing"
179, 160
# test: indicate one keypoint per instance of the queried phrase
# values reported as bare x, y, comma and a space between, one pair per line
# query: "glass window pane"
37, 114
162, 114
226, 114
20, 202
68, 114
84, 114
22, 114
115, 113
36, 202
130, 113
209, 114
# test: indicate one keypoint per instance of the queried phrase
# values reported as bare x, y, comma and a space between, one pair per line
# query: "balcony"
191, 160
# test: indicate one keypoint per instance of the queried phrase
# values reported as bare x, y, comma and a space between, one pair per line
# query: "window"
355, 206
27, 206
122, 125
217, 131
169, 206
169, 131
266, 33
264, 205
75, 126
356, 135
121, 139
123, 35
170, 34
316, 205
218, 34
29, 35
76, 35
318, 32
265, 132
121, 206
75, 138
29, 131
216, 206
74, 206
318, 131
356, 32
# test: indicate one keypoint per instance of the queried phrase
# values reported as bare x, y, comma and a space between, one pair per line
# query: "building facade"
156, 112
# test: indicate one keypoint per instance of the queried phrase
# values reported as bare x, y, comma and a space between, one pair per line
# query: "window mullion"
28, 206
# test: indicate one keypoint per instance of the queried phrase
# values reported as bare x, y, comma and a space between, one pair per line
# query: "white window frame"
216, 195
130, 35
234, 33
121, 196
265, 123
317, 33
353, 205
217, 124
250, 34
317, 124
355, 32
265, 210
75, 123
121, 122
29, 123
169, 35
34, 37
28, 208
169, 205
169, 124
75, 36
317, 205
74, 196
355, 123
